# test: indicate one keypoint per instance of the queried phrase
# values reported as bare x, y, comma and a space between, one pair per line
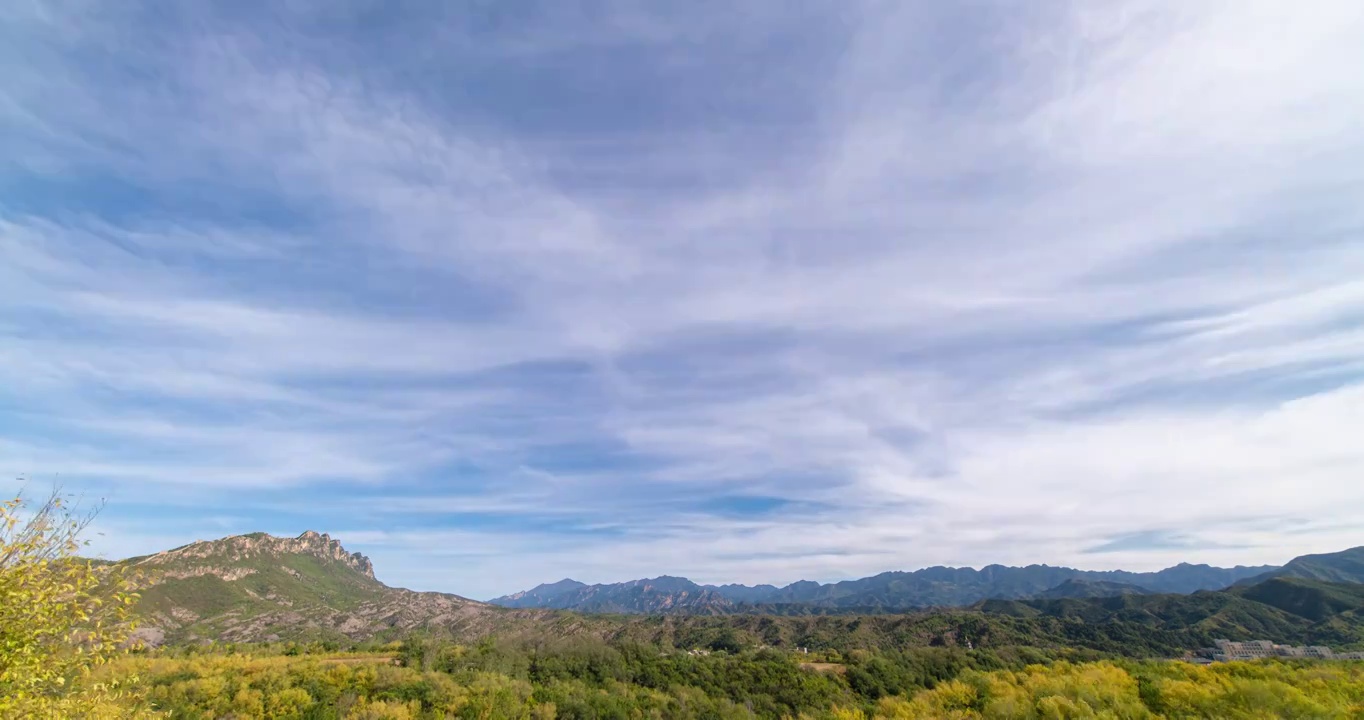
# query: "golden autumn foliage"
1151, 689
261, 686
60, 617
246, 687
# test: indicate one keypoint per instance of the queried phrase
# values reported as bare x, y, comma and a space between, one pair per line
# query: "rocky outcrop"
242, 547
291, 587
226, 573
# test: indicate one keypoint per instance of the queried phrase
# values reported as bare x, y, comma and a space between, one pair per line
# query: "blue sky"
502, 293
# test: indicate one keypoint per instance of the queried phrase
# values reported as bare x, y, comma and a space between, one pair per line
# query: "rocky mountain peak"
256, 545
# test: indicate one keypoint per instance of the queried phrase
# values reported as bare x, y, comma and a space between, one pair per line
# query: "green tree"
60, 616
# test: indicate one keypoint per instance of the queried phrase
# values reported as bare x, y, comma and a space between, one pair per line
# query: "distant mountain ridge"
645, 596
1346, 566
258, 587
888, 591
1081, 588
545, 592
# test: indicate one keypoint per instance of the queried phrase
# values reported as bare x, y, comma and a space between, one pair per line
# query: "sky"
499, 293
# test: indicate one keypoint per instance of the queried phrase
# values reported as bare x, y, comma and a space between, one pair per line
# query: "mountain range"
886, 592
260, 588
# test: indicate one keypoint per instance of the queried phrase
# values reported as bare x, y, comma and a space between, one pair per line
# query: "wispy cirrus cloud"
505, 295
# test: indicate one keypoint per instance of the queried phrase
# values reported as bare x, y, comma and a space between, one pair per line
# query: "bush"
60, 616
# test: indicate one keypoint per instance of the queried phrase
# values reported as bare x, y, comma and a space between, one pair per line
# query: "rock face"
258, 545
259, 587
225, 573
247, 587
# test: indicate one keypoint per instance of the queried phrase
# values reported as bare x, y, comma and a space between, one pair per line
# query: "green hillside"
1081, 588
258, 587
1311, 599
1286, 610
1346, 566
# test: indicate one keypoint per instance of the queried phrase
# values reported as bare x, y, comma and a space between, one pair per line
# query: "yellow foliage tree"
384, 710
60, 616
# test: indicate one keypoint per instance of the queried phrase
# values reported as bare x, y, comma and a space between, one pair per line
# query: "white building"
1257, 649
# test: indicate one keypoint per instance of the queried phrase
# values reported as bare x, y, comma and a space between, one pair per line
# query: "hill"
1346, 566
886, 592
259, 587
644, 597
542, 595
1286, 610
1312, 599
1081, 588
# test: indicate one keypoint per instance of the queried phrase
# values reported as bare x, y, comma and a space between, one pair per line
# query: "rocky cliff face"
237, 548
261, 587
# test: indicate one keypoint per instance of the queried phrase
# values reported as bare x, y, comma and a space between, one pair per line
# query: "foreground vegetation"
59, 616
587, 679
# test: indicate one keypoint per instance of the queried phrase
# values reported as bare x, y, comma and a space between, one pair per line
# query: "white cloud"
1035, 282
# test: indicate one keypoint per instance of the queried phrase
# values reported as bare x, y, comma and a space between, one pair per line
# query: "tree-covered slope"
1281, 609
1346, 566
1081, 588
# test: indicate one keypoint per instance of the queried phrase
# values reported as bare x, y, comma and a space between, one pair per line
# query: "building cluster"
1255, 649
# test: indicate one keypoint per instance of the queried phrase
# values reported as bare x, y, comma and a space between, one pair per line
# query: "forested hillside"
582, 679
1346, 566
